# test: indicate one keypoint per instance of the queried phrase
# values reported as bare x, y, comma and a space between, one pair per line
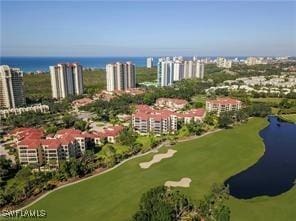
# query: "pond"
275, 172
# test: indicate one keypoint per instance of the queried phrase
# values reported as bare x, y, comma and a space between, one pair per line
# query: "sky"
155, 28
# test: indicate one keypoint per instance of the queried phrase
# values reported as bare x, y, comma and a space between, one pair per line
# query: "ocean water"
32, 64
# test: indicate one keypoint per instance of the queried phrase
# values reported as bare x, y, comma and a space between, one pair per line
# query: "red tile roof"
143, 108
113, 131
23, 132
200, 112
100, 135
66, 139
69, 131
51, 143
82, 101
30, 143
225, 101
175, 101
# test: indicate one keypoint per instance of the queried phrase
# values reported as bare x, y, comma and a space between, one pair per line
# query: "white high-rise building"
120, 76
199, 70
11, 87
149, 62
66, 79
165, 72
223, 63
178, 71
254, 60
175, 70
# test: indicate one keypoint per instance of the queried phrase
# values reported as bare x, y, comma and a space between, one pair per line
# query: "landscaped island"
207, 160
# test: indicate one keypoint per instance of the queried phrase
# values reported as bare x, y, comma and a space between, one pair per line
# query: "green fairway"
213, 158
289, 117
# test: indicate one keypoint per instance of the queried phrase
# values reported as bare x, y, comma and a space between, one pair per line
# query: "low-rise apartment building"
42, 108
148, 120
53, 152
73, 141
107, 135
37, 149
223, 104
30, 152
194, 115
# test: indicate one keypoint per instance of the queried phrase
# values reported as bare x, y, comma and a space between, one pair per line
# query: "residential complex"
274, 84
147, 119
120, 76
109, 135
176, 69
11, 90
66, 79
37, 149
171, 103
41, 108
223, 104
149, 62
255, 60
223, 62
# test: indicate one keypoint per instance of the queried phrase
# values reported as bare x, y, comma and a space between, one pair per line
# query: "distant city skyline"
118, 28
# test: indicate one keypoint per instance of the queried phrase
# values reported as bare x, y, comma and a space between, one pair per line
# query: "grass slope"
213, 158
289, 117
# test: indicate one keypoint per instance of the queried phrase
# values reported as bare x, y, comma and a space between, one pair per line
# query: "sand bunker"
157, 158
184, 182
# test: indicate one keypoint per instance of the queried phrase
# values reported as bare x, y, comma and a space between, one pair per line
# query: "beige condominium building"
66, 79
11, 87
223, 104
171, 70
120, 76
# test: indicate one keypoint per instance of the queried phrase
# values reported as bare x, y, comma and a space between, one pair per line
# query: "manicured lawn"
275, 100
270, 100
289, 117
115, 195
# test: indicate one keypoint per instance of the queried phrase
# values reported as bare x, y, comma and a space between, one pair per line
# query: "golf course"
114, 196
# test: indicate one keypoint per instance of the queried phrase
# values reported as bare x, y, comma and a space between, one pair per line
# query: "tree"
212, 207
259, 110
6, 170
127, 137
195, 128
225, 119
198, 104
153, 206
68, 120
211, 119
80, 125
109, 158
87, 162
241, 115
51, 129
165, 204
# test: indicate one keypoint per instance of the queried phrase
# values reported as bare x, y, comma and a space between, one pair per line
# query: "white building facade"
11, 87
66, 79
177, 69
120, 76
149, 62
223, 63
